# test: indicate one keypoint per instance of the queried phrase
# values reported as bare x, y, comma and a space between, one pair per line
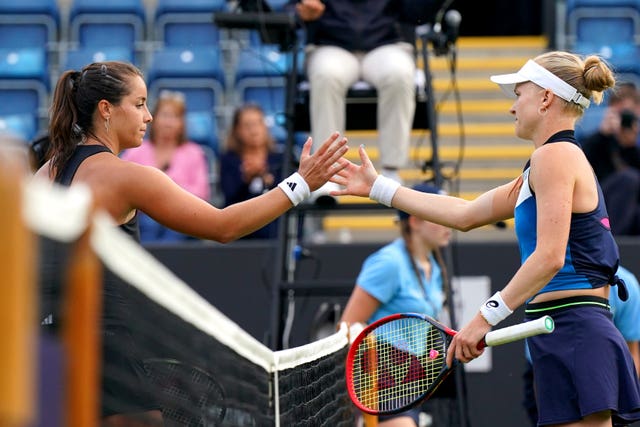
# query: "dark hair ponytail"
74, 103
64, 115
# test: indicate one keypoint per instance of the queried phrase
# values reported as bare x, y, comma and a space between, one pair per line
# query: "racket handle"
542, 325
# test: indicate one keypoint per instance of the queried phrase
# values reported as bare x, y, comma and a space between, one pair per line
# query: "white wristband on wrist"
383, 190
295, 187
495, 310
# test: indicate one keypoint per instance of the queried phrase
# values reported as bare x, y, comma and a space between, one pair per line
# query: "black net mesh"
169, 358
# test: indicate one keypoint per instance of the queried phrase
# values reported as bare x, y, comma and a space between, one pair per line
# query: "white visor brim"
534, 72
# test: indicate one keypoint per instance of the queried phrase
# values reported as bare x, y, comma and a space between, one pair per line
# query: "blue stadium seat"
23, 90
277, 5
22, 126
75, 59
609, 28
107, 22
198, 74
29, 23
187, 22
590, 121
261, 77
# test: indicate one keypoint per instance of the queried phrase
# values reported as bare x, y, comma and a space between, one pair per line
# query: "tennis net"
199, 367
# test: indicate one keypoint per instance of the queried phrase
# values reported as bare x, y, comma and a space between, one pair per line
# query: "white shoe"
322, 196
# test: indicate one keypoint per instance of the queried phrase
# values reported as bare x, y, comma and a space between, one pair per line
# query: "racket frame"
542, 325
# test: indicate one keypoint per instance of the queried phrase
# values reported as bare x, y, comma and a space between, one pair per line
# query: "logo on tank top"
525, 191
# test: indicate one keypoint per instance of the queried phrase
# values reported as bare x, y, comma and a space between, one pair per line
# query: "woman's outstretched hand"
357, 180
317, 168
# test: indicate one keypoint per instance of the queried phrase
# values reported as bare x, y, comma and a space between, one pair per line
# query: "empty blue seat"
76, 59
198, 74
261, 77
24, 64
590, 121
24, 86
29, 23
610, 28
107, 23
202, 127
187, 22
22, 126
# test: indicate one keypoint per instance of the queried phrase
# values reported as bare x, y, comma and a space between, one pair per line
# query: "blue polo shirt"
389, 277
626, 314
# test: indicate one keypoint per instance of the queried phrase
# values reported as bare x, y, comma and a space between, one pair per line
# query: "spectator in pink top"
168, 149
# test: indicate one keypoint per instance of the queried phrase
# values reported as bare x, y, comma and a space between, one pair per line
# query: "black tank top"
81, 153
54, 257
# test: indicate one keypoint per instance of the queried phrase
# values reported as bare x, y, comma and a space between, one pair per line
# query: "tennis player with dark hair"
584, 374
406, 275
95, 114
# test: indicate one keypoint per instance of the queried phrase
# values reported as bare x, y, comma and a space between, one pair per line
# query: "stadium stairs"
491, 154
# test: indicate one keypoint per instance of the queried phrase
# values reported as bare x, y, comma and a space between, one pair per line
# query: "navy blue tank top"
591, 256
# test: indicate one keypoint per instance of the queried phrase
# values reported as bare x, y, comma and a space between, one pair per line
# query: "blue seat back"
198, 74
29, 23
187, 22
107, 23
24, 64
76, 59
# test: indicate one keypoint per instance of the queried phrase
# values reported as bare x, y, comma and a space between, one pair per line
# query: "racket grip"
542, 325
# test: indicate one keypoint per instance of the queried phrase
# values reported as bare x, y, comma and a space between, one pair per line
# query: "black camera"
627, 119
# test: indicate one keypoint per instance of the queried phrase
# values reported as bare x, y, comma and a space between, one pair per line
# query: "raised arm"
492, 206
152, 192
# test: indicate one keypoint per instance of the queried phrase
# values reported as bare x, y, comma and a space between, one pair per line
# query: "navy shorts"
584, 366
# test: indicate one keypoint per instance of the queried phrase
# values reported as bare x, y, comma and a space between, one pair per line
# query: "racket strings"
397, 363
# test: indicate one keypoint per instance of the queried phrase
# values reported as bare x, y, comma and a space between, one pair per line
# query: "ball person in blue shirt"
406, 275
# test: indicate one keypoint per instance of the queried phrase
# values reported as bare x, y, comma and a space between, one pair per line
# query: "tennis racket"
399, 360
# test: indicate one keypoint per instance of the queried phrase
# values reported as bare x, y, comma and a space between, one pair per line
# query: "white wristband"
383, 190
495, 310
296, 188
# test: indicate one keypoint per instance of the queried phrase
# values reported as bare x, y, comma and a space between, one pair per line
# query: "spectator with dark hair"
615, 156
251, 163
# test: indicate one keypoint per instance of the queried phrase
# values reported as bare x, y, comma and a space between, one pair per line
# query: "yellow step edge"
489, 152
452, 129
355, 200
507, 42
505, 174
467, 84
499, 42
491, 66
371, 222
476, 106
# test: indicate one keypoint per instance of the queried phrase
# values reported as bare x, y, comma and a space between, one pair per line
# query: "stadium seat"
187, 22
198, 74
107, 23
24, 88
29, 23
608, 28
261, 77
590, 121
75, 59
